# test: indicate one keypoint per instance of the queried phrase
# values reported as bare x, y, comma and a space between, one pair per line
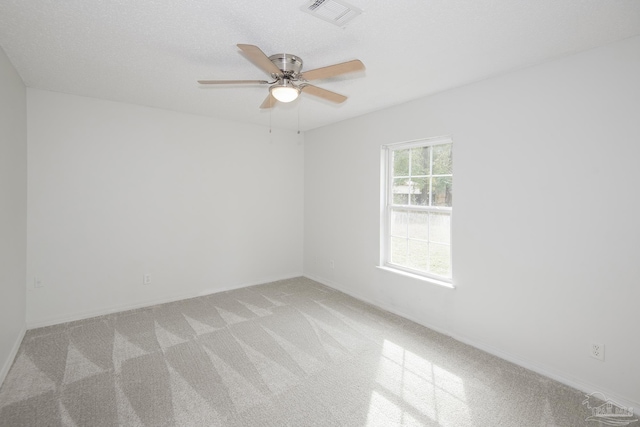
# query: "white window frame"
387, 206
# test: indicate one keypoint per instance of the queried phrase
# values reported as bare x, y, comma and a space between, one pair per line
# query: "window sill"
417, 277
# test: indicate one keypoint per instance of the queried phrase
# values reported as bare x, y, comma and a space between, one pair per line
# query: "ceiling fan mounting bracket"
290, 65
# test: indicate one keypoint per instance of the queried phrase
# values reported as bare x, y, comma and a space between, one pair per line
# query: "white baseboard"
556, 375
343, 289
520, 361
14, 352
116, 309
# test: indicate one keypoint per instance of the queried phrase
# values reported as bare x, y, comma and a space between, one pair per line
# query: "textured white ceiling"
151, 52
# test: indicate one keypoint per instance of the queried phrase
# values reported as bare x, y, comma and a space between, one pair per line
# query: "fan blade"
269, 102
334, 70
259, 59
232, 82
324, 94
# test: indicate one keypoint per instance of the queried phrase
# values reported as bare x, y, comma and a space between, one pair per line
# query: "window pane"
420, 161
400, 199
420, 191
399, 223
419, 225
418, 231
440, 259
398, 250
440, 227
442, 191
418, 255
401, 163
442, 160
401, 190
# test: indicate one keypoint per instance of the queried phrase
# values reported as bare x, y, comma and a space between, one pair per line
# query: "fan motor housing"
289, 64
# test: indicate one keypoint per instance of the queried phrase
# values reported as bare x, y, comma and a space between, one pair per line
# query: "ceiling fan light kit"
289, 80
285, 92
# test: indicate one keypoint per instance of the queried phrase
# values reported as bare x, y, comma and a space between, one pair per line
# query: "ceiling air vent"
337, 12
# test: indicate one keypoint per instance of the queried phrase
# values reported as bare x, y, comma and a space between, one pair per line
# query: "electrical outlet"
146, 279
597, 351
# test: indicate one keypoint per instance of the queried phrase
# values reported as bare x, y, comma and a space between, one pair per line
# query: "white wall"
546, 215
13, 211
117, 191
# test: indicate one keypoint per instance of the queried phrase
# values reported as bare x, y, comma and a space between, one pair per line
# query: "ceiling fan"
288, 80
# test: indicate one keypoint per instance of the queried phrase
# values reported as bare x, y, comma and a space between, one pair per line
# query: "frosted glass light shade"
285, 93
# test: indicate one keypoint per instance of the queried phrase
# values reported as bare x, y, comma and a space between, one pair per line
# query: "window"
417, 195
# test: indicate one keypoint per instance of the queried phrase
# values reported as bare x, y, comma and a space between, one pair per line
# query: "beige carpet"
292, 352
